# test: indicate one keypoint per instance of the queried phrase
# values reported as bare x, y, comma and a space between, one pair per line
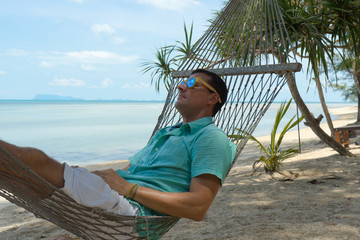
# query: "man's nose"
182, 87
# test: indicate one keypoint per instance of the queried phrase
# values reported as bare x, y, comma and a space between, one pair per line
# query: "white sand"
318, 198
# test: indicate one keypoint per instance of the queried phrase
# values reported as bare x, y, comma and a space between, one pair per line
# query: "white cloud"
78, 1
107, 83
104, 84
98, 57
170, 4
45, 64
126, 86
84, 58
2, 72
67, 82
102, 28
17, 52
89, 67
117, 40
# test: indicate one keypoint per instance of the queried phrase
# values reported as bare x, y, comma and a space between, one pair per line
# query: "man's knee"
43, 165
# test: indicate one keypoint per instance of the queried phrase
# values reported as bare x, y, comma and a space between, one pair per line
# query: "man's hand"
193, 204
114, 180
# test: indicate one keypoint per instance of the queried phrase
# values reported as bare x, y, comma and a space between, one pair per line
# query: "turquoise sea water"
87, 132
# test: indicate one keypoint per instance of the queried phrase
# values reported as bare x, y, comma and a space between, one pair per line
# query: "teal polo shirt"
175, 155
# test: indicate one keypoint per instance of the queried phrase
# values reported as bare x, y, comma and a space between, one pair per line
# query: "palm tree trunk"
313, 124
356, 72
358, 112
324, 106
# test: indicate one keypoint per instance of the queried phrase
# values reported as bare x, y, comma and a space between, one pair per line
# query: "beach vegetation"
319, 30
273, 154
343, 78
161, 67
167, 59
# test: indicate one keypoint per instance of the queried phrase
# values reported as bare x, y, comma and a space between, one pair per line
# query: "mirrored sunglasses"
190, 83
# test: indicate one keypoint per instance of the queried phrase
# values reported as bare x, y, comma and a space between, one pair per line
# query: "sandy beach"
316, 197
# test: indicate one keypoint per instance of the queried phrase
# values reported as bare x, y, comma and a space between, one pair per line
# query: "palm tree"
349, 92
161, 68
346, 34
308, 23
167, 58
308, 32
313, 25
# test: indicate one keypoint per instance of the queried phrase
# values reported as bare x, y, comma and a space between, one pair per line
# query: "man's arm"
193, 204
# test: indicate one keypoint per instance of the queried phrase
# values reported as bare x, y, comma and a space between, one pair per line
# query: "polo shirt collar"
195, 126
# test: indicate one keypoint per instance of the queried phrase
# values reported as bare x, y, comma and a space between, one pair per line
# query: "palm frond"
161, 67
185, 49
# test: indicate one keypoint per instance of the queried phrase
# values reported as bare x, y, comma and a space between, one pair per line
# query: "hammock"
249, 47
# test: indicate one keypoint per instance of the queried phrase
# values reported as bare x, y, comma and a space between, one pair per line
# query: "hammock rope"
248, 45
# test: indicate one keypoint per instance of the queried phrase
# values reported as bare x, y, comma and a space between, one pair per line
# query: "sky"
93, 49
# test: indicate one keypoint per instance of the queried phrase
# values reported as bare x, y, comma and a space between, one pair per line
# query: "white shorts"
91, 190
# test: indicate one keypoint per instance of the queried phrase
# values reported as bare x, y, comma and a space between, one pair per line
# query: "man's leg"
39, 162
85, 187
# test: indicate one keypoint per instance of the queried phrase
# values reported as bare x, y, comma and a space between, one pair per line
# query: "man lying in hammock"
177, 173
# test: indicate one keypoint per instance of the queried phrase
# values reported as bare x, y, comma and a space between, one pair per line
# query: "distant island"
43, 97
54, 97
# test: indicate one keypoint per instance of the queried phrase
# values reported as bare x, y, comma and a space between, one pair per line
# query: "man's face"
194, 98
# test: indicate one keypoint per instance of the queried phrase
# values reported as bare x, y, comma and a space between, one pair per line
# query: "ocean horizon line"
82, 100
124, 101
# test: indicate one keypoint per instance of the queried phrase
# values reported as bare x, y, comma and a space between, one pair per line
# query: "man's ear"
214, 98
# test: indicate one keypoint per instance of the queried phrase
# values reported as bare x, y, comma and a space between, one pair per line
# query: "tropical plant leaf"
161, 67
167, 59
273, 155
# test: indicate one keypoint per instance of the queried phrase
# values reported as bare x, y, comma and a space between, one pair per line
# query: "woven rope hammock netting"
248, 45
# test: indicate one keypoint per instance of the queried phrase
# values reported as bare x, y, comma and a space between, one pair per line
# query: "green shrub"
273, 154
